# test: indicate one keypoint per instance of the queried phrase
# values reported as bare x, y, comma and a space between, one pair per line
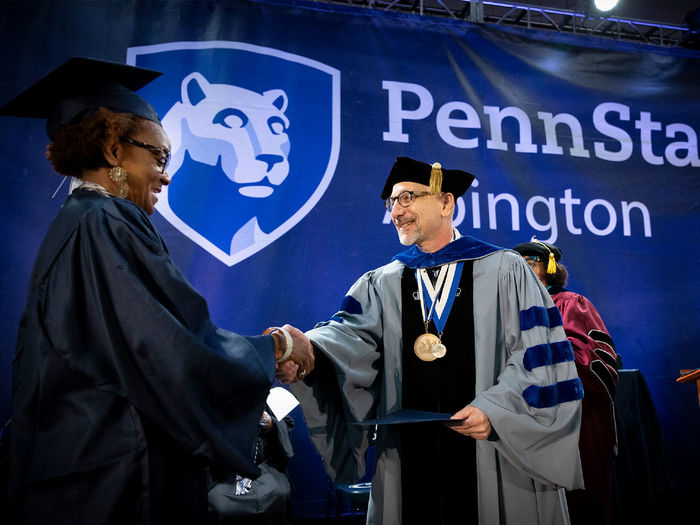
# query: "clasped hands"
300, 362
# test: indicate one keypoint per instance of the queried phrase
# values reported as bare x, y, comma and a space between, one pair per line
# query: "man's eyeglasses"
405, 199
532, 260
162, 154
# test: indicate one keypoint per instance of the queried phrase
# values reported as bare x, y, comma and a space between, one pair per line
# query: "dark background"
645, 287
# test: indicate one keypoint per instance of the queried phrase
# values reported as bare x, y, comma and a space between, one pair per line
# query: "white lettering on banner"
445, 123
690, 145
607, 118
397, 113
496, 117
600, 217
620, 136
550, 129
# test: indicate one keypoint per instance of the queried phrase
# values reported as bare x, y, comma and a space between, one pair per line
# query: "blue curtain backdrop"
592, 145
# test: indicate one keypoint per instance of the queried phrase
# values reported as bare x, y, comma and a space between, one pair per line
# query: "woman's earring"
118, 175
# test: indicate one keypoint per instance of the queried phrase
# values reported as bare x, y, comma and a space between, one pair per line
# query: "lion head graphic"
230, 152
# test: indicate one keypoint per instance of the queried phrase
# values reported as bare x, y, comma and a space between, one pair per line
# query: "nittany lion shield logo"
255, 136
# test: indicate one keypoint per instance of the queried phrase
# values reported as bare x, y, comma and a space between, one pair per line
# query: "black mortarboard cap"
548, 252
78, 87
439, 179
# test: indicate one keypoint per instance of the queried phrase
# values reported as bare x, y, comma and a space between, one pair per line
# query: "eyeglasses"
531, 261
162, 154
405, 199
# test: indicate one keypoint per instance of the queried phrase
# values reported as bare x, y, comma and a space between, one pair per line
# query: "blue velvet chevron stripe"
554, 317
462, 249
548, 354
551, 395
540, 316
349, 305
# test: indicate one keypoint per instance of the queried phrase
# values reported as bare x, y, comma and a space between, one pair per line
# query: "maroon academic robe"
595, 357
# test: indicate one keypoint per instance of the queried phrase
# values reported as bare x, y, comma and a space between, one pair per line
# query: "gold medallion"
439, 350
423, 347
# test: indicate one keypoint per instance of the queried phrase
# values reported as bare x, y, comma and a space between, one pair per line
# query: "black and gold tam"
439, 179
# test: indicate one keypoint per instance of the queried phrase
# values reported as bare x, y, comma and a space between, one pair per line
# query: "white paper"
281, 401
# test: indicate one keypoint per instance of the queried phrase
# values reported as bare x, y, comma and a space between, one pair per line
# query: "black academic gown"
438, 465
123, 388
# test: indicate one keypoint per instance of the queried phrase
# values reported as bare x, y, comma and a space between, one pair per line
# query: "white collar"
77, 183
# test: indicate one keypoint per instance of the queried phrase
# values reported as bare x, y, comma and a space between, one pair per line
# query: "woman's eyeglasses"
162, 154
532, 260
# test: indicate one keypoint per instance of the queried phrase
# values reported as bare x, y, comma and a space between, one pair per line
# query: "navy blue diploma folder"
409, 416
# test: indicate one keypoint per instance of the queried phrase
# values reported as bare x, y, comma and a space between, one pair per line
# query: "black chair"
350, 501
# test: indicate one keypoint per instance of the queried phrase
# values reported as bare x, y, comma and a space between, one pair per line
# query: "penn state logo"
255, 136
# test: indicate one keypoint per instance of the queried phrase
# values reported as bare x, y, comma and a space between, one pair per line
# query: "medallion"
436, 298
423, 347
439, 350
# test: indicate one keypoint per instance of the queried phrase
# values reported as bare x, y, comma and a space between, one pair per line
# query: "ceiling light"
605, 5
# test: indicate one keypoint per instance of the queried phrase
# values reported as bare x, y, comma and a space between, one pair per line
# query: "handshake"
293, 353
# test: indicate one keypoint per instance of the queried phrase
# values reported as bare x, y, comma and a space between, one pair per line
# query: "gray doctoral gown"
526, 383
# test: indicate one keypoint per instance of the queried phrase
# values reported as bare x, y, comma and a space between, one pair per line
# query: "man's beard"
409, 238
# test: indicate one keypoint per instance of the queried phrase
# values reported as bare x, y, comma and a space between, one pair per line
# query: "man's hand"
286, 372
476, 424
302, 351
301, 360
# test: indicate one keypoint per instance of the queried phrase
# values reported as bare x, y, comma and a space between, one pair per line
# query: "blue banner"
285, 121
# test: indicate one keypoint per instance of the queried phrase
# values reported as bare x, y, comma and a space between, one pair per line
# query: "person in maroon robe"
596, 361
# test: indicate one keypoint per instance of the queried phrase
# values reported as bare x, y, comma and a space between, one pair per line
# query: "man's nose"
397, 210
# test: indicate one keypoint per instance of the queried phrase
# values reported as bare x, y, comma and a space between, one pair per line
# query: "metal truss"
537, 17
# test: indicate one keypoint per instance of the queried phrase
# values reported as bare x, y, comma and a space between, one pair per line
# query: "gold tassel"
551, 263
436, 179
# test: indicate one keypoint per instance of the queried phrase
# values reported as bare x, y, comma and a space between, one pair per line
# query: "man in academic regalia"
458, 326
595, 356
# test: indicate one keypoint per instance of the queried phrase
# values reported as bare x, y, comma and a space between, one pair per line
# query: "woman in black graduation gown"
123, 389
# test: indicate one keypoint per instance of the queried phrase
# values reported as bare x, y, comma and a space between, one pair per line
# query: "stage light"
605, 5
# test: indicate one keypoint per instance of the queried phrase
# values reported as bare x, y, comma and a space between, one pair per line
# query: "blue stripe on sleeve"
548, 354
551, 395
534, 316
351, 305
554, 317
540, 316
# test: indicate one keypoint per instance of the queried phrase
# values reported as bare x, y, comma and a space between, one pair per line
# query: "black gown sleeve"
117, 312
